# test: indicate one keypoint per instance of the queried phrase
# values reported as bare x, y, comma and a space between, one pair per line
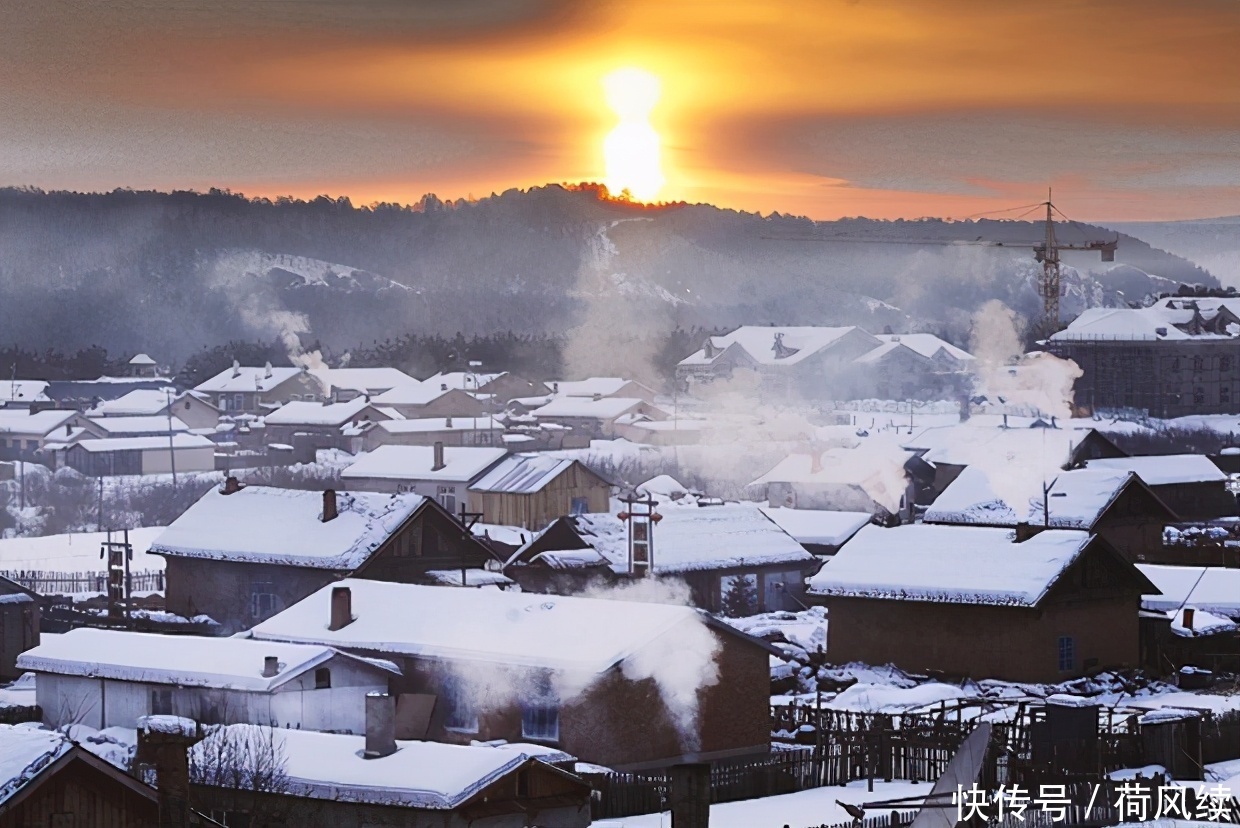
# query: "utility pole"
172, 451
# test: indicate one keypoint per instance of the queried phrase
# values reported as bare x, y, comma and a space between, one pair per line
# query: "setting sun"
631, 149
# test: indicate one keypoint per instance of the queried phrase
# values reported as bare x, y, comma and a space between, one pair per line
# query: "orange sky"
1129, 108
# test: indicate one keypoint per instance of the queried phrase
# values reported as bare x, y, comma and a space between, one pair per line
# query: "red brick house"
982, 603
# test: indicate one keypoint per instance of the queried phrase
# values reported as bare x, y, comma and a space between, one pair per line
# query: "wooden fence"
11, 714
74, 583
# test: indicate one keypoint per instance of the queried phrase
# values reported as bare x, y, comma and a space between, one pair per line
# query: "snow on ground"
76, 552
20, 693
803, 809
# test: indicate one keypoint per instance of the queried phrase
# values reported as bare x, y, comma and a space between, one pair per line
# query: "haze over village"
540, 415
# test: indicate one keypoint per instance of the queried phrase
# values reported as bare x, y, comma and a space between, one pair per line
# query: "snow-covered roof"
818, 526
1204, 623
420, 394
522, 474
364, 380
247, 379
178, 442
1156, 323
260, 524
605, 408
509, 535
330, 766
603, 386
1075, 500
461, 380
586, 635
318, 414
468, 577
461, 463
1165, 469
922, 344
949, 564
1214, 589
137, 426
21, 421
759, 343
875, 466
138, 402
965, 445
184, 660
415, 425
26, 751
25, 391
141, 359
693, 538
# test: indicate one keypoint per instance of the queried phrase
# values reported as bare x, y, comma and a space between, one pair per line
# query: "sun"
631, 149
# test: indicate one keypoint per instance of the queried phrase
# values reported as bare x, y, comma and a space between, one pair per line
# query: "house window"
581, 505
1198, 363
1199, 395
161, 702
447, 498
540, 714
1224, 394
460, 712
294, 397
1067, 653
239, 401
1224, 363
262, 600
1175, 365
322, 678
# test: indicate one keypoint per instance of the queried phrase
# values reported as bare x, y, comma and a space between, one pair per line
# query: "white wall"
157, 461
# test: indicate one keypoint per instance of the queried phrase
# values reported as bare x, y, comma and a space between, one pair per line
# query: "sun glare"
631, 150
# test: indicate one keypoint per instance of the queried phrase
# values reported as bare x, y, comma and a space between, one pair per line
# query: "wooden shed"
531, 490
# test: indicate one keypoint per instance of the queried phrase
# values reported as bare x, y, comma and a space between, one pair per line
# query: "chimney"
597, 396
815, 461
342, 608
380, 725
439, 464
236, 368
68, 429
443, 386
166, 751
231, 485
447, 422
267, 370
1026, 530
555, 388
1188, 618
329, 505
271, 666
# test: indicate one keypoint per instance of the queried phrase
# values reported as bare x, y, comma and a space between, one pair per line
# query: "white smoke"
1037, 382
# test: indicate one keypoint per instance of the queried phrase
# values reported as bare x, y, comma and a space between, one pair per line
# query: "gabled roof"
1214, 589
923, 345
319, 414
183, 660
138, 426
759, 343
414, 425
180, 442
260, 524
248, 379
950, 564
424, 775
605, 408
966, 445
1171, 320
522, 474
461, 463
461, 380
603, 386
41, 423
1165, 469
137, 403
364, 380
688, 538
420, 394
582, 635
818, 526
30, 755
24, 391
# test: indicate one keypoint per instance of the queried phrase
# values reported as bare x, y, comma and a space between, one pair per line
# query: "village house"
868, 478
1193, 618
332, 780
419, 402
501, 387
983, 603
183, 453
427, 431
47, 779
603, 680
192, 409
1190, 484
531, 490
259, 390
677, 431
440, 472
344, 384
319, 424
1111, 503
19, 625
733, 558
243, 553
601, 387
596, 416
112, 678
24, 433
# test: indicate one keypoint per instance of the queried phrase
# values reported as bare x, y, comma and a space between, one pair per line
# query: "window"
581, 505
1224, 394
447, 498
1199, 395
1224, 363
161, 702
294, 397
460, 713
540, 713
263, 602
322, 678
1175, 365
1067, 653
186, 405
239, 402
1198, 363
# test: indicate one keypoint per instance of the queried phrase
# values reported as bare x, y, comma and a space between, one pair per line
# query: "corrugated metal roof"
522, 474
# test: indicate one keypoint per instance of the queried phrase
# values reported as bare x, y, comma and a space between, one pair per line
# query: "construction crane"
1047, 252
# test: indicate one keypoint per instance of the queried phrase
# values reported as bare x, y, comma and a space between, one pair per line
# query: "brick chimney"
439, 463
330, 510
166, 750
231, 485
271, 666
1188, 618
380, 726
1026, 530
342, 608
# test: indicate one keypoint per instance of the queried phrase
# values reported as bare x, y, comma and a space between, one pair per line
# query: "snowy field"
77, 552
